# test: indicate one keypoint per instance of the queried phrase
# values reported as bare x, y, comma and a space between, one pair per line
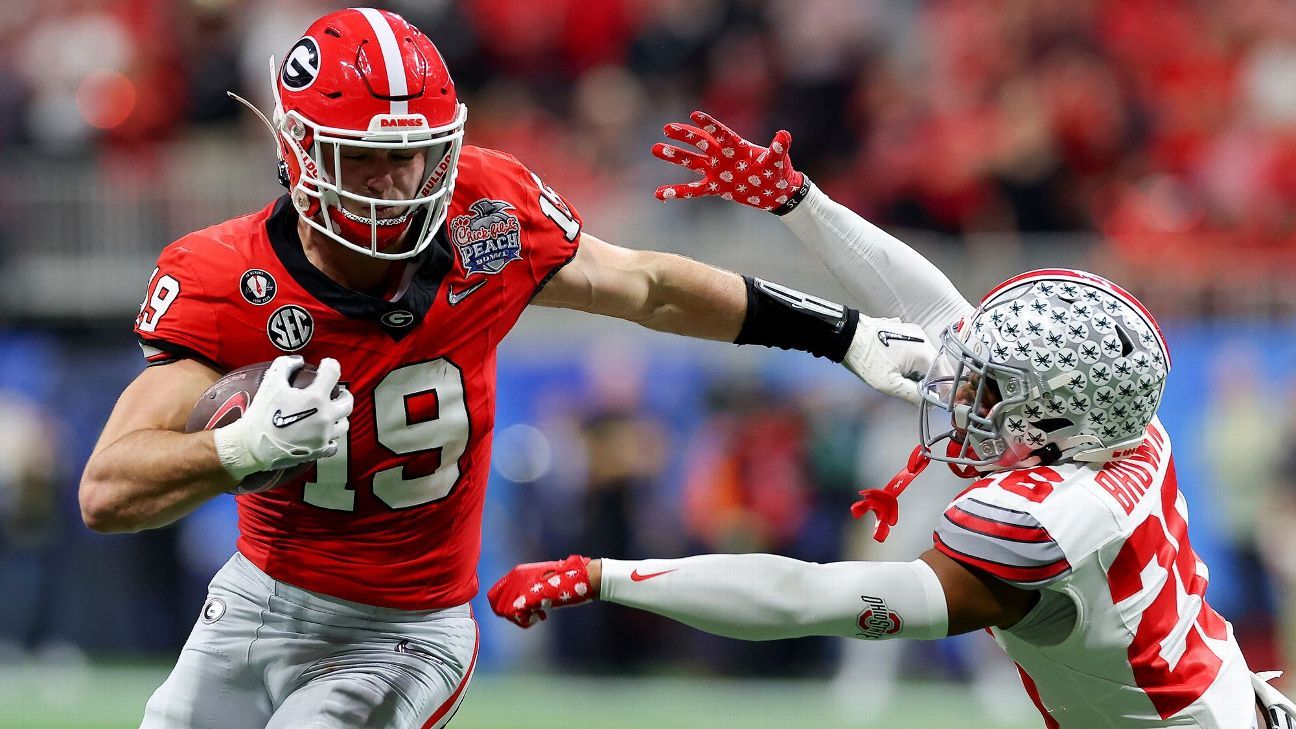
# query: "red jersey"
394, 518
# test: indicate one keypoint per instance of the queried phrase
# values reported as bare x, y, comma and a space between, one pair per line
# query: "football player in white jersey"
1070, 544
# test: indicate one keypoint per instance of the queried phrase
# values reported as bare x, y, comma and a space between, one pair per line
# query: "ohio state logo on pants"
877, 621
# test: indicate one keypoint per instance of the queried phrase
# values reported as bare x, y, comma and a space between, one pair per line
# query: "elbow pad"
766, 597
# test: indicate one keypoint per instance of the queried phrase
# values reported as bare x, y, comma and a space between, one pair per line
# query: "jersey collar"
398, 317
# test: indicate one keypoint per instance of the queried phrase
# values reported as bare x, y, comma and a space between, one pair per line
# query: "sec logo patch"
290, 328
257, 286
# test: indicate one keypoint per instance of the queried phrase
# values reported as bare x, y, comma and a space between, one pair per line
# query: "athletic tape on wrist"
233, 450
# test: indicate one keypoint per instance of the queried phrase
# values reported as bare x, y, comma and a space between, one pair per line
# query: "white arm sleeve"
766, 597
883, 275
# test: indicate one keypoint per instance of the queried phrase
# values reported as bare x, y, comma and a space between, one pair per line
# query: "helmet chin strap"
884, 503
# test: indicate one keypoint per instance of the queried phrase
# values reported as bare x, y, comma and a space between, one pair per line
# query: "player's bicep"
160, 398
976, 599
602, 278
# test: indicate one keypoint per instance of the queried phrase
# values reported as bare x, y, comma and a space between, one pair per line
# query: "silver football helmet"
1054, 365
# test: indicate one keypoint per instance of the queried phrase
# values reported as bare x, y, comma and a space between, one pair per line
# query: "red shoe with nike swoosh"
528, 591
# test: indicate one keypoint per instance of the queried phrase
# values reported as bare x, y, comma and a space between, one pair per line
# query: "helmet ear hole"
1011, 387
1049, 454
1049, 425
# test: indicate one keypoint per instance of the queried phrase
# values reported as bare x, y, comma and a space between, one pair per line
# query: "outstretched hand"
528, 591
732, 167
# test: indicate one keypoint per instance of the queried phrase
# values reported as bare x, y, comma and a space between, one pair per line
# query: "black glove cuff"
795, 199
781, 317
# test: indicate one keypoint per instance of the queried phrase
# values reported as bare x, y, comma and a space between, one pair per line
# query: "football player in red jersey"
398, 261
1071, 546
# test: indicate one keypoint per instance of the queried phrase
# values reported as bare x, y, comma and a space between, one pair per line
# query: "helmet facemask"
364, 223
967, 410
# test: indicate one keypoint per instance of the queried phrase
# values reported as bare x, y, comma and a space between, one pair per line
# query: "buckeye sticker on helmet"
302, 65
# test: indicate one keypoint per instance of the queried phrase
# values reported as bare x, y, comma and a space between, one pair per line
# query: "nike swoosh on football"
238, 401
636, 576
887, 337
455, 297
283, 421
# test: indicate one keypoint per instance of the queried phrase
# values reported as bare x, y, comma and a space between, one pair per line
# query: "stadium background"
1153, 141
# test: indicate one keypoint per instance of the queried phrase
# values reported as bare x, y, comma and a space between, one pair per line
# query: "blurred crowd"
1169, 126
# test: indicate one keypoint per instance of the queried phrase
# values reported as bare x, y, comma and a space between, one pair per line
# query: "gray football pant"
267, 655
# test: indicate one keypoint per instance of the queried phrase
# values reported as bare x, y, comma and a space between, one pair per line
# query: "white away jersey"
1146, 649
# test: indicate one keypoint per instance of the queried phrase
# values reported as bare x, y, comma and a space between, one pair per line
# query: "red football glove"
528, 590
731, 167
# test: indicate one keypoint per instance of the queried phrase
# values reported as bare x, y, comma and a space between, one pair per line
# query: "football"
226, 401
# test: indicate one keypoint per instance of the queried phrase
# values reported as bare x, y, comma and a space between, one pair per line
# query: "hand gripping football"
226, 401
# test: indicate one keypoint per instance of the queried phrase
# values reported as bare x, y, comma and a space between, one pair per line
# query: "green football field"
112, 697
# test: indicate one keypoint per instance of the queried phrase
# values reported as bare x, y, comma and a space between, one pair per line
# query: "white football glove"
891, 356
285, 425
1279, 711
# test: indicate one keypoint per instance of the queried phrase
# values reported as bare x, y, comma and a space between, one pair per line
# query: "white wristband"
233, 450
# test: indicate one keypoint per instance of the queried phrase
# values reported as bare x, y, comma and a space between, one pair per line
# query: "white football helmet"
1054, 365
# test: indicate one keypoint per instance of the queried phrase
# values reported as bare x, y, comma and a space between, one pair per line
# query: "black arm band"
781, 317
795, 199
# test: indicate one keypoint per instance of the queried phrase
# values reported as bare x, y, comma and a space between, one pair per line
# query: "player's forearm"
691, 299
700, 301
885, 276
766, 597
150, 478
